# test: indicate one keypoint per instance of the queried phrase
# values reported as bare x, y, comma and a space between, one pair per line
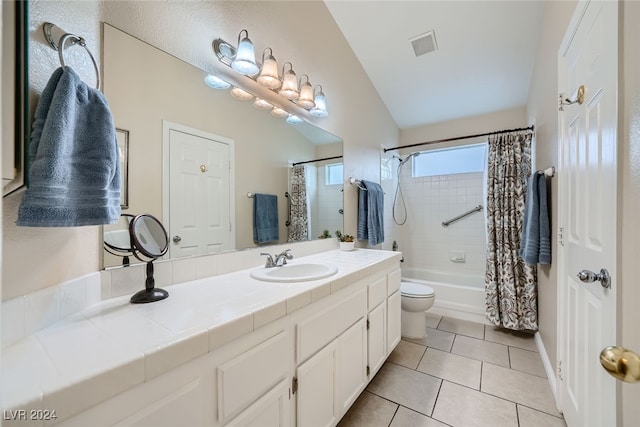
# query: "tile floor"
462, 374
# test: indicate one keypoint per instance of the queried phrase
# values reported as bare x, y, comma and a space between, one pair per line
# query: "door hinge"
367, 324
559, 369
368, 370
294, 385
561, 236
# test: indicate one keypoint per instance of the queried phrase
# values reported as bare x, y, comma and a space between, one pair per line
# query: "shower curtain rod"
317, 160
458, 137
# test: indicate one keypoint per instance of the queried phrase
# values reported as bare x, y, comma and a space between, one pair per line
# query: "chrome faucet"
282, 257
269, 263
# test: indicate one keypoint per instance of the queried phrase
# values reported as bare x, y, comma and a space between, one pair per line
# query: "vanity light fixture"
306, 94
266, 83
261, 104
245, 59
216, 82
289, 83
320, 109
293, 119
240, 95
279, 113
269, 72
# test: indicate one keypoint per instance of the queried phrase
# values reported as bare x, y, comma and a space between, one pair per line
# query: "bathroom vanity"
224, 350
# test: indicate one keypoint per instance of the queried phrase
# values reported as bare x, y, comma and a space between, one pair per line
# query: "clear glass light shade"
320, 110
279, 113
245, 59
269, 74
261, 104
240, 94
306, 97
216, 82
294, 119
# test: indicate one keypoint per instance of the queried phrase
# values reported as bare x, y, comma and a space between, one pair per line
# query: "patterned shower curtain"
299, 227
510, 284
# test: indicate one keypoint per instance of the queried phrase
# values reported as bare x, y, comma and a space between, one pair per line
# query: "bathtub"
458, 296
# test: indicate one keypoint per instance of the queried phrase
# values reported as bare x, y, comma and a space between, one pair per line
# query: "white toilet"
416, 299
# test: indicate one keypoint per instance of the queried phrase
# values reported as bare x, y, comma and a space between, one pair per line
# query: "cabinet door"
351, 365
393, 321
271, 410
377, 337
316, 389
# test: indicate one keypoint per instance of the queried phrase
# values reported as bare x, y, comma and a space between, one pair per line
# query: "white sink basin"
294, 273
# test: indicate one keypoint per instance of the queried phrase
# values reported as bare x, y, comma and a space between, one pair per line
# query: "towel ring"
49, 28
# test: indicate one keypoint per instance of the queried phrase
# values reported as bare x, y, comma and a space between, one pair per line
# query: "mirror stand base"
149, 295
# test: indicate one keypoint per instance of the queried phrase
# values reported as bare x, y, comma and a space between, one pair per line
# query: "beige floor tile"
451, 367
531, 418
369, 411
408, 418
407, 354
433, 320
436, 339
526, 389
518, 339
526, 361
406, 387
461, 406
462, 327
481, 350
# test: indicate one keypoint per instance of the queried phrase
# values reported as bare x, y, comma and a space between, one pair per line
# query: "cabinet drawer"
393, 281
377, 292
317, 331
244, 379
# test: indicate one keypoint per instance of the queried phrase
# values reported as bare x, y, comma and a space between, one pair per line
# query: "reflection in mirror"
117, 239
147, 89
149, 238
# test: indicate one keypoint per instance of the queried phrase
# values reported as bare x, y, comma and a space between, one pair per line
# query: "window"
333, 174
447, 161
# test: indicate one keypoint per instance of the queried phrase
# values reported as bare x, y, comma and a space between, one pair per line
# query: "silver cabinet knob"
176, 239
603, 277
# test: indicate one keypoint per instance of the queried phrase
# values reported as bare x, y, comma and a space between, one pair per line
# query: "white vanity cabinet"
305, 369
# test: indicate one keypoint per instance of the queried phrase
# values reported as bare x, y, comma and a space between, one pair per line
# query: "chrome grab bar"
459, 217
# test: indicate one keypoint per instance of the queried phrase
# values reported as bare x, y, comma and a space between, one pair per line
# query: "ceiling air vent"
424, 43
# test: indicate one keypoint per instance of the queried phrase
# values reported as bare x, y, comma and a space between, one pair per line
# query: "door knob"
603, 277
176, 239
621, 363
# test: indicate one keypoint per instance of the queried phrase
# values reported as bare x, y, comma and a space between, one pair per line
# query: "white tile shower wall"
424, 242
28, 314
329, 205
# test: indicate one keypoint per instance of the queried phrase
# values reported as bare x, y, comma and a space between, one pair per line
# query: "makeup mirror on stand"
149, 241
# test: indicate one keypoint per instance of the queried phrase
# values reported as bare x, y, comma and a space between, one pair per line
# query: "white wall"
291, 28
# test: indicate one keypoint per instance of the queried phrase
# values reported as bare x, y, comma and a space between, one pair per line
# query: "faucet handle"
269, 263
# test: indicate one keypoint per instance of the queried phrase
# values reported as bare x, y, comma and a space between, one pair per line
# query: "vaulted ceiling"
483, 62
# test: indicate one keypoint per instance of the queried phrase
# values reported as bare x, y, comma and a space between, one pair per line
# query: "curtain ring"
80, 41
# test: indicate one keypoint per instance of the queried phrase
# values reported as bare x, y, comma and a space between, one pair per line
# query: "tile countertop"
114, 345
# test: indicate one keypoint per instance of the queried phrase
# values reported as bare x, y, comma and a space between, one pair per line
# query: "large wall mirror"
193, 155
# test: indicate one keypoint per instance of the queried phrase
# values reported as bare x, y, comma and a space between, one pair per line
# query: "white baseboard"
548, 368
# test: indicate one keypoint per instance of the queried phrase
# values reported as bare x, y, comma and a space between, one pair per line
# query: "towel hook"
49, 30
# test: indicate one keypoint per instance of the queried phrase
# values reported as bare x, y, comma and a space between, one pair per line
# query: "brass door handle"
621, 363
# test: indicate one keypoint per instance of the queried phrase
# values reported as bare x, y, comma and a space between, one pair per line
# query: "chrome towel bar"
459, 217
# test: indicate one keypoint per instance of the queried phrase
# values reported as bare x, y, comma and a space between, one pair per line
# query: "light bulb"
269, 73
245, 59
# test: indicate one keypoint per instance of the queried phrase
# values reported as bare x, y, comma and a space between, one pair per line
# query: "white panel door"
377, 340
316, 389
199, 195
587, 197
351, 366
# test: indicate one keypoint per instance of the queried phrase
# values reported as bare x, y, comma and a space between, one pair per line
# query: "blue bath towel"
535, 244
371, 213
265, 218
74, 173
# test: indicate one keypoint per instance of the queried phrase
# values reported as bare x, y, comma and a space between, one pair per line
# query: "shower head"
403, 161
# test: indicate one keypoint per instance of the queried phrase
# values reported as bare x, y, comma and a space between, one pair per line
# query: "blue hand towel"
535, 245
74, 175
265, 218
371, 213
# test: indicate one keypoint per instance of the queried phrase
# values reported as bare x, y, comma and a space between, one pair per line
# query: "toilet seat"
416, 290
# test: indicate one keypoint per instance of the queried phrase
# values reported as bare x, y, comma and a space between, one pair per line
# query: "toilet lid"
415, 290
